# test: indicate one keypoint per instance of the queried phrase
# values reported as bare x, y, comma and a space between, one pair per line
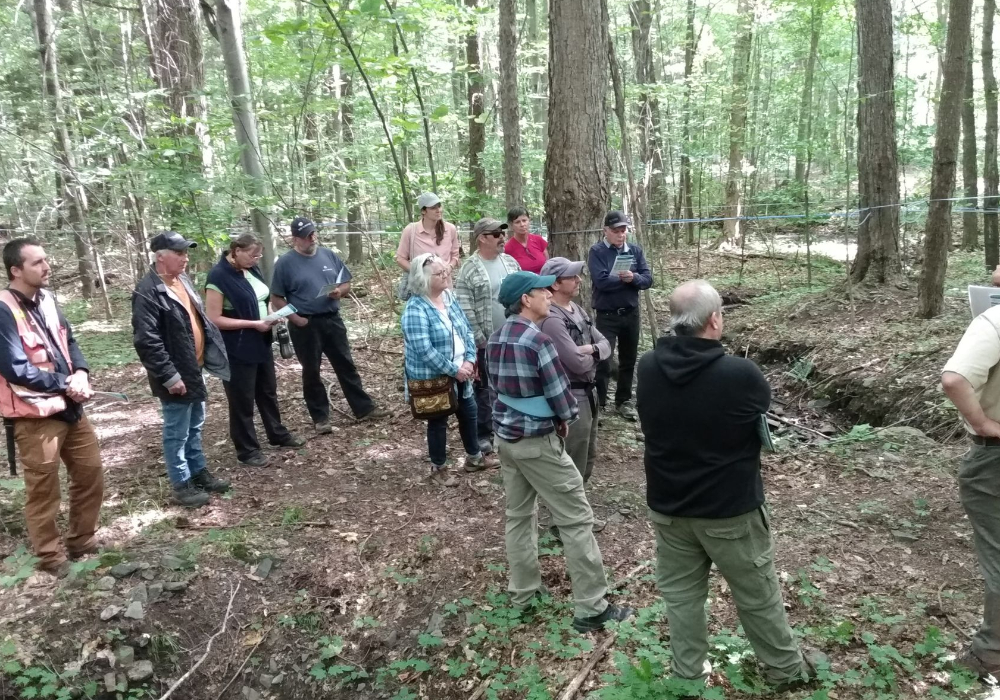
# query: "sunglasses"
495, 234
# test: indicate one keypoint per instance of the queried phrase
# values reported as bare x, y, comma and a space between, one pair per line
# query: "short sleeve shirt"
259, 289
530, 258
977, 358
300, 279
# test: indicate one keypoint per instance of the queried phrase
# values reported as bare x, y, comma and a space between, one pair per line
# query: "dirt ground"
342, 572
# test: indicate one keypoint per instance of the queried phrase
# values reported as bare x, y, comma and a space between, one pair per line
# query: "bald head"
692, 306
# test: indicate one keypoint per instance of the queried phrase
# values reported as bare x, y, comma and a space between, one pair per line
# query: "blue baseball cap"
522, 282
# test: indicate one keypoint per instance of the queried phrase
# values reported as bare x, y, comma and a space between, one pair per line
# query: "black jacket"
164, 341
699, 410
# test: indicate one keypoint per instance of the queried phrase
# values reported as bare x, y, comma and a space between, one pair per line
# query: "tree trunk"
805, 105
970, 171
477, 126
577, 163
230, 30
937, 236
649, 107
355, 246
877, 259
510, 111
732, 227
991, 178
537, 84
687, 190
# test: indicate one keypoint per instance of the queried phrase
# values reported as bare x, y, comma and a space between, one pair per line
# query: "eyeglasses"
443, 274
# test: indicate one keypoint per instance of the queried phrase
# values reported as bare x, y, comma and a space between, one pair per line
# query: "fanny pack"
534, 406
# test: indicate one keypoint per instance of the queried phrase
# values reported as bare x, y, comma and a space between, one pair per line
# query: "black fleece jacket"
699, 410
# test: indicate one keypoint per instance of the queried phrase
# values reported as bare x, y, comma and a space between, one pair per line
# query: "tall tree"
991, 176
354, 241
230, 31
537, 85
510, 110
732, 227
805, 102
685, 202
477, 127
937, 235
641, 15
577, 162
970, 171
877, 259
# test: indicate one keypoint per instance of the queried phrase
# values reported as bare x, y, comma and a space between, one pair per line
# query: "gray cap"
488, 225
562, 267
428, 199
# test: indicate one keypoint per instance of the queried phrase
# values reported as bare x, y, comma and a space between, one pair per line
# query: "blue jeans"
437, 430
182, 424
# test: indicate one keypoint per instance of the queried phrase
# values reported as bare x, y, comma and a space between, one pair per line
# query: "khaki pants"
742, 550
979, 491
539, 466
581, 443
41, 442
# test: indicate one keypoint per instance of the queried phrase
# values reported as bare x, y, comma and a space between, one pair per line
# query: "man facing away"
971, 380
300, 277
531, 415
44, 381
477, 286
616, 303
700, 411
175, 341
580, 347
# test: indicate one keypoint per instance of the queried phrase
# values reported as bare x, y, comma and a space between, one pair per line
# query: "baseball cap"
562, 267
302, 227
488, 225
522, 282
428, 199
170, 240
615, 219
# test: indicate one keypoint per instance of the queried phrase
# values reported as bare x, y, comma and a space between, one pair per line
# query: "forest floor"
342, 572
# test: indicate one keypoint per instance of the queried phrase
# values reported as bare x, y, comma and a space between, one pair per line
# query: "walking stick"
8, 426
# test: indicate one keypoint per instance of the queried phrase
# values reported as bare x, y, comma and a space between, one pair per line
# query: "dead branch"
790, 424
481, 690
242, 665
848, 371
577, 682
208, 647
948, 617
871, 474
629, 576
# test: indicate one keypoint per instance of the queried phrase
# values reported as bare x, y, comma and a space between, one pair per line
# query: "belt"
583, 386
325, 313
623, 311
985, 441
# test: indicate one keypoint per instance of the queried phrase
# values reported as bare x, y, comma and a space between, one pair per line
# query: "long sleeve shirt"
523, 363
16, 369
610, 293
569, 330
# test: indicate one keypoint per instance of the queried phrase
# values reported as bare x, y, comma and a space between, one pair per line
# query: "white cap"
428, 199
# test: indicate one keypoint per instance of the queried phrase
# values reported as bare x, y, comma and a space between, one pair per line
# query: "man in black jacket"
700, 410
175, 341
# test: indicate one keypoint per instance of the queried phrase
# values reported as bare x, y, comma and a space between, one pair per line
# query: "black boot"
206, 482
189, 496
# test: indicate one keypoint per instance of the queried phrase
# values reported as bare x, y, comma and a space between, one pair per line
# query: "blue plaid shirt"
428, 344
523, 363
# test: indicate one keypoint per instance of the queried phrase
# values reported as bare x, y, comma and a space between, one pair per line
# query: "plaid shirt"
428, 344
472, 286
523, 363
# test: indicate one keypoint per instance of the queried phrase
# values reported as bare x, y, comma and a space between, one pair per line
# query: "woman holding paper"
236, 301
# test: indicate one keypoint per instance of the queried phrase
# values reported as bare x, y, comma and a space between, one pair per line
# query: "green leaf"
430, 640
318, 672
12, 484
439, 112
370, 7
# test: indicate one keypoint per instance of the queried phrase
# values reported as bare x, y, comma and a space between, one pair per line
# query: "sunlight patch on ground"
98, 326
134, 523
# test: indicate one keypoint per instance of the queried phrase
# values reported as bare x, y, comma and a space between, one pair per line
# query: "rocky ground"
342, 572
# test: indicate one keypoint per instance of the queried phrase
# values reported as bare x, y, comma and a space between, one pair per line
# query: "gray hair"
691, 305
419, 279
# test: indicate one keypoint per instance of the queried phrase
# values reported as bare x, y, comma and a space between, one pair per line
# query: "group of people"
527, 361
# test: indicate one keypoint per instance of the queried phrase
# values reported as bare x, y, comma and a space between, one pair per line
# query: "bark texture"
510, 109
805, 103
991, 178
970, 171
732, 228
477, 129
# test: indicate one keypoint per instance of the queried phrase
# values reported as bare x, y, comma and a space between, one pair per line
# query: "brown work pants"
41, 443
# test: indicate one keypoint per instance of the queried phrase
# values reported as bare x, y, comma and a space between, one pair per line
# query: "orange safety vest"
21, 402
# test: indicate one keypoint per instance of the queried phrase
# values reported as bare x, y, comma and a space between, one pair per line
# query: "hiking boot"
480, 462
206, 482
375, 414
323, 427
968, 661
441, 477
256, 460
534, 604
627, 411
612, 613
56, 569
599, 524
811, 660
86, 551
189, 496
291, 441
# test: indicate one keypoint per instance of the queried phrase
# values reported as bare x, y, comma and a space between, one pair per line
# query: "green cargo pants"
742, 550
979, 491
539, 466
581, 443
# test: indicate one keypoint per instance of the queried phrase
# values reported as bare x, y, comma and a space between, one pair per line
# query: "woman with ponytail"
432, 234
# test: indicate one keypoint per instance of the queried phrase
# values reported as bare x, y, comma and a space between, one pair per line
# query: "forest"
829, 166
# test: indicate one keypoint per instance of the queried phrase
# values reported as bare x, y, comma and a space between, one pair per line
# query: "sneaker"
256, 460
291, 441
627, 411
599, 524
612, 613
441, 477
206, 482
323, 427
375, 414
480, 462
189, 496
968, 661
